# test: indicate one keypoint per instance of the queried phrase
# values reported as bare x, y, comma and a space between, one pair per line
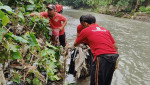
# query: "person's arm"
116, 47
42, 14
78, 34
75, 44
33, 14
82, 36
114, 43
78, 30
64, 24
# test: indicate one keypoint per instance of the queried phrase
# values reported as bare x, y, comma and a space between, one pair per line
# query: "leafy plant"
22, 48
132, 12
16, 78
36, 81
3, 16
142, 9
119, 14
148, 10
41, 26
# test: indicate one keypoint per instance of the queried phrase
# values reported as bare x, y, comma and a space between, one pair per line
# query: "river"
133, 40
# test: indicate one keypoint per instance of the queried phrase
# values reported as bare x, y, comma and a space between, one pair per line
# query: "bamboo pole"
66, 56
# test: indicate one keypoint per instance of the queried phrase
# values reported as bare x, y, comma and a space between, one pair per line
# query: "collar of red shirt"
94, 24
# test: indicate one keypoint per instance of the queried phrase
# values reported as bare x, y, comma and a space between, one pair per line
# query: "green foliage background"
129, 5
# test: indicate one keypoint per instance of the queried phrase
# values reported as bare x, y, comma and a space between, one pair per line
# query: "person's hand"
117, 63
70, 46
61, 28
116, 67
33, 14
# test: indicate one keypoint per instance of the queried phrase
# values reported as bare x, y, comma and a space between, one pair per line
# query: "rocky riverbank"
141, 16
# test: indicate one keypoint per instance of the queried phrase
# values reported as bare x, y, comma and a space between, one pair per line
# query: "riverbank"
141, 16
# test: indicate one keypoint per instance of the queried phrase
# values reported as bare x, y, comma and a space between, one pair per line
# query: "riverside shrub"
142, 9
148, 10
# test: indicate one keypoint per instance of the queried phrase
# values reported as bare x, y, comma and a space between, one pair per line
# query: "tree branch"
2, 78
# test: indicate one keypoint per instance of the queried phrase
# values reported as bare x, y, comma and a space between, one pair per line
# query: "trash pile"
81, 61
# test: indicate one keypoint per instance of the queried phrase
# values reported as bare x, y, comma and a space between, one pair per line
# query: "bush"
132, 12
148, 10
107, 12
96, 10
119, 14
142, 9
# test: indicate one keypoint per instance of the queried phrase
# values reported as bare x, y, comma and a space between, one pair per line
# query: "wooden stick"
66, 56
2, 78
33, 27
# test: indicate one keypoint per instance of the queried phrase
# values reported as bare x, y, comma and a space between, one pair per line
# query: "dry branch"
2, 78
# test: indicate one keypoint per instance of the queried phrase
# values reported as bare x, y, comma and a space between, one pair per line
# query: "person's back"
99, 40
103, 48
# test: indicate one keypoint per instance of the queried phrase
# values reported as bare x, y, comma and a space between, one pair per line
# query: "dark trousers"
62, 40
103, 68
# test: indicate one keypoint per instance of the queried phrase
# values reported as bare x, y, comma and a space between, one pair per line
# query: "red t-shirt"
61, 7
58, 7
80, 27
99, 39
55, 22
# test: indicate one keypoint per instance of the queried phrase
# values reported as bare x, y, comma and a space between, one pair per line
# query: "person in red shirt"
58, 8
81, 26
57, 21
104, 49
61, 8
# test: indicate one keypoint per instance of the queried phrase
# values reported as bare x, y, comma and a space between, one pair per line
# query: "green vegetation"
113, 7
148, 10
142, 9
25, 47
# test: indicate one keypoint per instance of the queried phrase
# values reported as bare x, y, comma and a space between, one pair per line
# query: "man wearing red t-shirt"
57, 21
103, 48
58, 8
61, 8
81, 26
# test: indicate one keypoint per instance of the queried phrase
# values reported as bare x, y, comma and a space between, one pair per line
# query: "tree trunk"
137, 4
